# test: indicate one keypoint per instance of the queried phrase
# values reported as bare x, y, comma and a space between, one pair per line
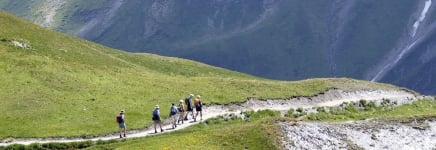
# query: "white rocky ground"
329, 98
395, 135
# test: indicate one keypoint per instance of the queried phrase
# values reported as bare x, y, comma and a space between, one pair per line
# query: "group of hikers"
179, 113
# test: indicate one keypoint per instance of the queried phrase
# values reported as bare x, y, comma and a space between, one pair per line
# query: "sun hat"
156, 106
181, 101
122, 112
198, 96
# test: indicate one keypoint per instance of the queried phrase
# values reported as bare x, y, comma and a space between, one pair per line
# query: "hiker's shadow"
154, 133
199, 121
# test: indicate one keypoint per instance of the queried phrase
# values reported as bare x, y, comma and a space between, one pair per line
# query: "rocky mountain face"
388, 41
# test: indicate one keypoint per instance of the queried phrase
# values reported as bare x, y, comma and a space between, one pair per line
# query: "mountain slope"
58, 85
277, 39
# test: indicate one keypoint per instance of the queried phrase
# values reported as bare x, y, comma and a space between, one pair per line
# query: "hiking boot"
161, 130
121, 136
124, 135
155, 131
195, 119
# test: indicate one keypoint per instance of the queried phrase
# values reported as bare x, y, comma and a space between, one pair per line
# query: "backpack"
155, 112
187, 102
197, 103
173, 111
119, 119
180, 108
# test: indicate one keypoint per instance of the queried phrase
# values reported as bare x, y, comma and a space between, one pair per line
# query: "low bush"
290, 113
300, 110
363, 103
351, 108
371, 110
370, 106
320, 109
253, 115
16, 147
53, 146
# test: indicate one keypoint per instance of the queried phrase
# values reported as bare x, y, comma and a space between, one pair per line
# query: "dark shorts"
156, 118
190, 109
122, 125
198, 108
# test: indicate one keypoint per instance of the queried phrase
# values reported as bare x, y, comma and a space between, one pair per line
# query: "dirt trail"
329, 98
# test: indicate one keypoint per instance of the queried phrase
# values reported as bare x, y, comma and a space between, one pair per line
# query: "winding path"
329, 98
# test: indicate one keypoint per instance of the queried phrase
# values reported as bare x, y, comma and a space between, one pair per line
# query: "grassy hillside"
64, 86
259, 133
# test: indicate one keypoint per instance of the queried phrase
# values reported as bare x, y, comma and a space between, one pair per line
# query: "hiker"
198, 107
181, 109
156, 119
190, 108
121, 123
173, 115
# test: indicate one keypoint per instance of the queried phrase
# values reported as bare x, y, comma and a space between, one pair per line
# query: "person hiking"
198, 107
156, 119
181, 109
173, 115
189, 106
121, 123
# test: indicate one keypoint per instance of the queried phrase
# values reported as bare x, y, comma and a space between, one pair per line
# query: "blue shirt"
157, 112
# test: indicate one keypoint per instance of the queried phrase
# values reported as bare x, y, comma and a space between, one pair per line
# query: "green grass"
65, 86
420, 108
258, 133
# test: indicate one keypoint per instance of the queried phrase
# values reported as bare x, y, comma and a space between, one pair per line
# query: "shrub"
296, 115
385, 102
290, 113
217, 120
55, 145
312, 116
320, 116
35, 146
343, 104
102, 142
320, 109
4, 39
363, 103
265, 113
300, 110
351, 108
370, 106
81, 145
16, 147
